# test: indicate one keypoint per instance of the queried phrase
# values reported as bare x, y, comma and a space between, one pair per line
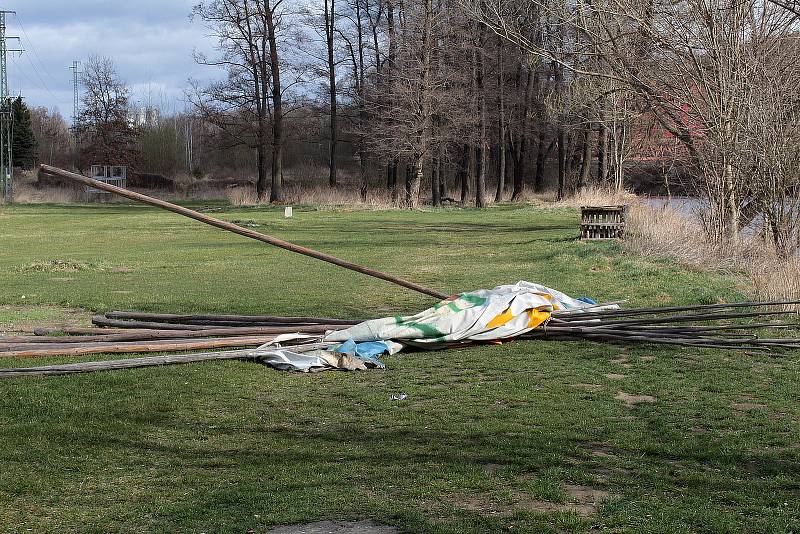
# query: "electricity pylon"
6, 113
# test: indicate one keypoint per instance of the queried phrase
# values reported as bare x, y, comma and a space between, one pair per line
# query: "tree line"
480, 100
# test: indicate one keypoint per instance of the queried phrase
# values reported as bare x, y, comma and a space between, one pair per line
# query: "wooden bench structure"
109, 174
603, 222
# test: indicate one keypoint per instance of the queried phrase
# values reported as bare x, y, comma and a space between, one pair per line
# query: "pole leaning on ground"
186, 212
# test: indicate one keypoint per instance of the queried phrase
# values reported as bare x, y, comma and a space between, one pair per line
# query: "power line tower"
75, 105
74, 68
6, 114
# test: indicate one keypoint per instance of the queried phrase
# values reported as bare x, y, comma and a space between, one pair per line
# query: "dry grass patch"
632, 400
665, 232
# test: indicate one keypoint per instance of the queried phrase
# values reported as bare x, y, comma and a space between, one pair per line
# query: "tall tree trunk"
464, 170
501, 106
541, 157
562, 163
442, 176
425, 105
520, 153
436, 191
409, 184
393, 164
391, 179
482, 153
586, 159
330, 27
362, 113
602, 143
276, 193
261, 184
258, 67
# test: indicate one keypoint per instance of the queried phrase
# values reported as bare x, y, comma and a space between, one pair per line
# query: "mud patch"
633, 400
336, 527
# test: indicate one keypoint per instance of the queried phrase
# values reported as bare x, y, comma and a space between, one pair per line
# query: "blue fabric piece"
368, 350
587, 300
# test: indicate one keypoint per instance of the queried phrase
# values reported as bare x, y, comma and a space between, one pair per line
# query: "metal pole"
6, 115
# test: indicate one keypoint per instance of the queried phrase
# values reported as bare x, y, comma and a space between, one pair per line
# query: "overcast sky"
150, 41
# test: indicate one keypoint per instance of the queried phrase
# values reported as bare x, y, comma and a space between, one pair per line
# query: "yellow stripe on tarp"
501, 319
537, 317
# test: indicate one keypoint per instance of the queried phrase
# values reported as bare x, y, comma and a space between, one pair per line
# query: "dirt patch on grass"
20, 319
621, 361
582, 500
632, 400
336, 527
615, 376
598, 450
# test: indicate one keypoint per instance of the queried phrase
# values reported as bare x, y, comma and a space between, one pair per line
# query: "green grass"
486, 439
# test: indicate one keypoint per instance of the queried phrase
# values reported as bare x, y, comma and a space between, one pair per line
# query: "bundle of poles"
119, 332
719, 326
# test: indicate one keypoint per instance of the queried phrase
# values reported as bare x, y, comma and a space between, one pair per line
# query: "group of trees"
719, 76
24, 144
424, 99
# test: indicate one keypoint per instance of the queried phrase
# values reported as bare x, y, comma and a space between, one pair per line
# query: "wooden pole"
167, 345
130, 363
186, 212
154, 335
207, 319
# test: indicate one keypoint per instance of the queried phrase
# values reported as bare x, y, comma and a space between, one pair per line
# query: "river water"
686, 205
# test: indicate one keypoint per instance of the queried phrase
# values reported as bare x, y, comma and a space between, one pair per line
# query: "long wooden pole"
129, 363
186, 212
31, 350
154, 335
207, 319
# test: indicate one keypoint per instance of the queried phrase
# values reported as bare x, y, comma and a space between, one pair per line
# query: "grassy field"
524, 437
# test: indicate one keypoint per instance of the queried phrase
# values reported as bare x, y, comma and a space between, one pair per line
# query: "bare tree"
330, 30
248, 105
106, 135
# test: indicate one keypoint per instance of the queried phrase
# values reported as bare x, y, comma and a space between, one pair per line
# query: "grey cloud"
150, 41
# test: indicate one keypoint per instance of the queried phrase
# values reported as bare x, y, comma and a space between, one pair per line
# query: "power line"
22, 73
36, 71
33, 48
